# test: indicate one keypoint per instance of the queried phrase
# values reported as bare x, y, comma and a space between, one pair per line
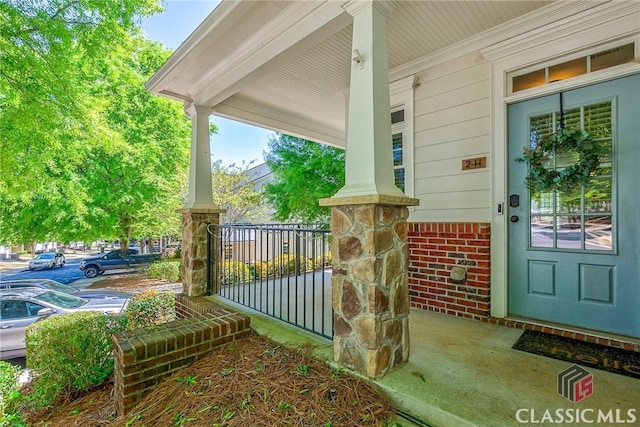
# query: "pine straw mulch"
250, 382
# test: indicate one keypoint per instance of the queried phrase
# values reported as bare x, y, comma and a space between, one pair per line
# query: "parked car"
47, 260
57, 286
20, 308
93, 266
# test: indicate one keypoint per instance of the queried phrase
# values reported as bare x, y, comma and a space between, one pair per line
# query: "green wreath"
545, 179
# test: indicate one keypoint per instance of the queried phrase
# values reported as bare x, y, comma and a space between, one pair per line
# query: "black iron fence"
281, 270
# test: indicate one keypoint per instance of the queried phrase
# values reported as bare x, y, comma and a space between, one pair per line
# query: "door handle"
514, 218
7, 326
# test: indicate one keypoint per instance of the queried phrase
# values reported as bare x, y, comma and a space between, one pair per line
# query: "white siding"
452, 123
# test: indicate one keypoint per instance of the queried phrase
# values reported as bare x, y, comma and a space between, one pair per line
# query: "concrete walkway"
464, 373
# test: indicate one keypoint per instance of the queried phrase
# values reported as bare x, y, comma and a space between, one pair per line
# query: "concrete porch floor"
464, 373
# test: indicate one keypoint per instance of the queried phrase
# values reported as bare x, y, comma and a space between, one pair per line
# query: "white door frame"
602, 27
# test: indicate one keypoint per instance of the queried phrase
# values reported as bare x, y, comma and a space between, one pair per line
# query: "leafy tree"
136, 170
233, 191
49, 52
305, 172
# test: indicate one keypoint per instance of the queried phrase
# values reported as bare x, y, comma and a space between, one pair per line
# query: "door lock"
514, 200
514, 218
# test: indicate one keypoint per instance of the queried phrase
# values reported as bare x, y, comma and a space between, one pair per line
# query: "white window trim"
401, 97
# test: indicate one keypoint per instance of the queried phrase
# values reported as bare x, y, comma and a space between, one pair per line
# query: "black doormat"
596, 356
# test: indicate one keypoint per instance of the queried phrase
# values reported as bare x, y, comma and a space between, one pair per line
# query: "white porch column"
369, 160
200, 192
199, 212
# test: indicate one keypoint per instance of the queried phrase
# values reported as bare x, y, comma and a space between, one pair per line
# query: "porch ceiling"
286, 65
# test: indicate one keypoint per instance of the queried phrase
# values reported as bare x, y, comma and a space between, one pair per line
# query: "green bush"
286, 264
319, 262
10, 396
151, 308
71, 352
234, 272
167, 270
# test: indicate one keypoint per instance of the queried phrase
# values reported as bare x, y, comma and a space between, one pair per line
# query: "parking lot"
66, 274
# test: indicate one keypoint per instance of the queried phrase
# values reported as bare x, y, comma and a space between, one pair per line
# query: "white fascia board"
218, 18
508, 30
245, 111
298, 29
625, 14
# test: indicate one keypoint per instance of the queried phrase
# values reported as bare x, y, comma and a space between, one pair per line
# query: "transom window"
575, 67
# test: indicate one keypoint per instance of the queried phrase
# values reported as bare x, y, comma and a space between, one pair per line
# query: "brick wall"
435, 248
145, 356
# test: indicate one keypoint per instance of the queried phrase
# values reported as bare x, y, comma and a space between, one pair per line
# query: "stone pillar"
370, 285
194, 248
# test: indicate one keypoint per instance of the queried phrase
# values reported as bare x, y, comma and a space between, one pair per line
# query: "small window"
397, 117
398, 160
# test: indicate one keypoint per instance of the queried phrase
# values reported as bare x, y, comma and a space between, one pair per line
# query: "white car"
20, 308
47, 260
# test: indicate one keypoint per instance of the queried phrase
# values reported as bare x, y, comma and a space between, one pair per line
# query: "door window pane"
597, 120
598, 233
569, 202
597, 196
569, 232
542, 231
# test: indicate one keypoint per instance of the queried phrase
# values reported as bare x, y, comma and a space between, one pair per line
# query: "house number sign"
475, 163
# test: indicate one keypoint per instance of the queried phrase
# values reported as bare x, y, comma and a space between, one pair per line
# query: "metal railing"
282, 270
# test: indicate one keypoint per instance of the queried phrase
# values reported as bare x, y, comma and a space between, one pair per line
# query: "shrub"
234, 272
71, 352
151, 308
286, 264
262, 269
320, 263
167, 270
9, 394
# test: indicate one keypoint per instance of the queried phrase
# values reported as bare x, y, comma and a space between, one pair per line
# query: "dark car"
114, 260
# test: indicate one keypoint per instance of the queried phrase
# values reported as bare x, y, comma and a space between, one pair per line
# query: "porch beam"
299, 30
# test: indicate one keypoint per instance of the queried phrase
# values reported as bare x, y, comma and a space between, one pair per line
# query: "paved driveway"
65, 274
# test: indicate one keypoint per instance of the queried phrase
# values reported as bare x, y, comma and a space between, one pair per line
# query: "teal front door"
574, 251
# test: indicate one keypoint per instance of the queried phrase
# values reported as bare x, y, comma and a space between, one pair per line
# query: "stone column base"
370, 287
194, 248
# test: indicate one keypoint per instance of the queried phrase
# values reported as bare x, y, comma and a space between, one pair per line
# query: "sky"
235, 141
